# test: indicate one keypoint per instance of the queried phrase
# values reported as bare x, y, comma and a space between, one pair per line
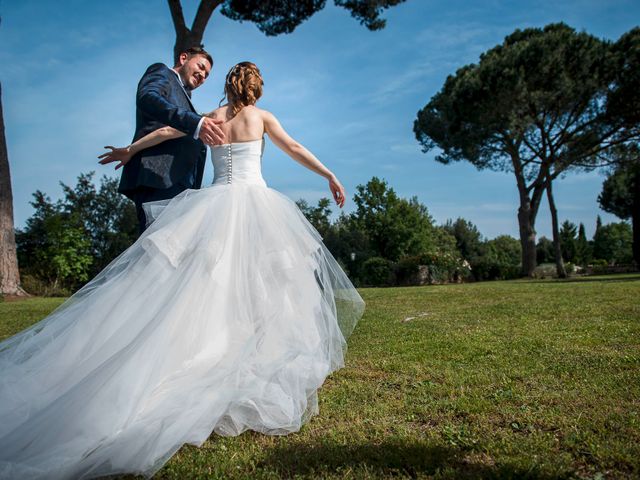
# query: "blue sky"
70, 70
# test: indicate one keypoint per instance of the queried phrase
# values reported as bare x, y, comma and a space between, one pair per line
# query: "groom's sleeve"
153, 89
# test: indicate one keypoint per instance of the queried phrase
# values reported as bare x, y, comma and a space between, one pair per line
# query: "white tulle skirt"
227, 314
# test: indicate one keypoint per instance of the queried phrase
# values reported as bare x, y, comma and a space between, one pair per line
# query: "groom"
164, 98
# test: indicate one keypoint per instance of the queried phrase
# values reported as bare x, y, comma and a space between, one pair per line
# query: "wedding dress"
227, 314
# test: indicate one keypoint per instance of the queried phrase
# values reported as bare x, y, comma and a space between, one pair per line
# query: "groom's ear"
181, 59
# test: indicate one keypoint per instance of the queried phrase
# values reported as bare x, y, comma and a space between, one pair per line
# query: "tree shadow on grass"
390, 458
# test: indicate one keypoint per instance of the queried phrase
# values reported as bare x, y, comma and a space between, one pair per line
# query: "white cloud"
404, 82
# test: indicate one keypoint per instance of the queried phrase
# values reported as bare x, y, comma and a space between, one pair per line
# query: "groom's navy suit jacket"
161, 100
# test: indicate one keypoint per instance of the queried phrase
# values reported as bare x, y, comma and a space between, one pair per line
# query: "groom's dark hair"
199, 51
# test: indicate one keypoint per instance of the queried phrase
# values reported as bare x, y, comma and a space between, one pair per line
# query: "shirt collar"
179, 77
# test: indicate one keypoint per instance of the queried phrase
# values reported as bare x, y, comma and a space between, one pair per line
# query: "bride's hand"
122, 155
337, 190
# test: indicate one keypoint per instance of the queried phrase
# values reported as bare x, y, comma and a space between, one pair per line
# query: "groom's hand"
210, 132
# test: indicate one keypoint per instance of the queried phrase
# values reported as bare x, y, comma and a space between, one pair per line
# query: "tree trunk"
635, 216
527, 214
184, 40
9, 273
530, 197
526, 224
185, 37
557, 244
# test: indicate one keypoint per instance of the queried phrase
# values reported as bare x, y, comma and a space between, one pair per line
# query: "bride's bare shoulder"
251, 110
219, 113
252, 113
266, 115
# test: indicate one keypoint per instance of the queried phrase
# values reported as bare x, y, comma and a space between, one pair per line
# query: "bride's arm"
124, 154
300, 154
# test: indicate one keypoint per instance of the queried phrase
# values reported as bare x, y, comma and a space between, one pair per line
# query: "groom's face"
193, 70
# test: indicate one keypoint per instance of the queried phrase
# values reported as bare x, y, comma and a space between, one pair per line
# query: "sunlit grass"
520, 379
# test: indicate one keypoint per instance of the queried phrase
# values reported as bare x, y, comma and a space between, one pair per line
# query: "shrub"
613, 243
443, 267
545, 270
378, 272
486, 268
41, 288
406, 270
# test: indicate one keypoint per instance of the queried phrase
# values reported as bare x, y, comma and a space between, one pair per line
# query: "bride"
227, 314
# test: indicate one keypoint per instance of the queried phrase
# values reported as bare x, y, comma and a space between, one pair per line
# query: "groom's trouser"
148, 194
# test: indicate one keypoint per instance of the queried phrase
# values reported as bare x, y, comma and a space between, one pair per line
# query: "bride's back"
244, 126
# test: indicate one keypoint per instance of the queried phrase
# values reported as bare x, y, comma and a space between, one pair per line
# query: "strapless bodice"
238, 162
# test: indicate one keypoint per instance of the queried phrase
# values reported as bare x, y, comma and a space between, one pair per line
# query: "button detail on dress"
229, 164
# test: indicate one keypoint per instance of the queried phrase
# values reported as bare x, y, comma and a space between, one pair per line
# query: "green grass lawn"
518, 379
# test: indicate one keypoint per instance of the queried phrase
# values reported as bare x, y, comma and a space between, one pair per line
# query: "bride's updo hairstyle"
243, 86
